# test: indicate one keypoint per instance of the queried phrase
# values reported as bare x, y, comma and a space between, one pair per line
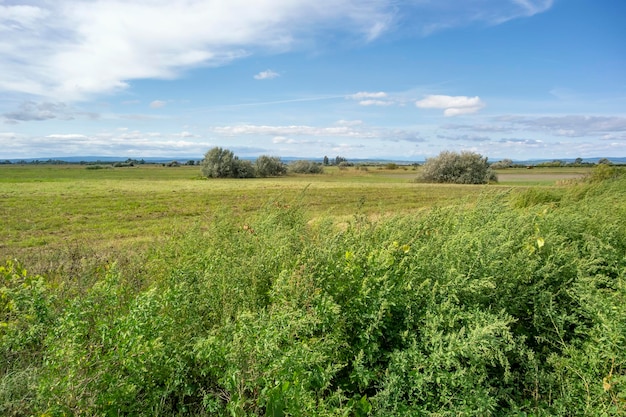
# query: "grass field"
151, 291
50, 208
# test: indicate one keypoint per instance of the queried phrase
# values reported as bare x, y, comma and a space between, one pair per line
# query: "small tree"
269, 166
458, 168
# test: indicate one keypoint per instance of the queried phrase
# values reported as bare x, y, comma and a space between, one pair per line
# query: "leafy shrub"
222, 163
458, 168
603, 172
269, 166
305, 167
487, 310
26, 315
502, 164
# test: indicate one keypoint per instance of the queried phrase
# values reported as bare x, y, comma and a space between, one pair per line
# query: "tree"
340, 159
326, 161
269, 166
458, 168
222, 163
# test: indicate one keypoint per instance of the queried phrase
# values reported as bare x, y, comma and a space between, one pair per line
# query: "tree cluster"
338, 160
223, 163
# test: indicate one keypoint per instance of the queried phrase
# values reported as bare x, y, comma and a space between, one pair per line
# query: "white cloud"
286, 131
157, 104
366, 98
452, 105
533, 7
119, 143
266, 75
375, 103
67, 136
185, 134
72, 49
367, 95
571, 126
342, 129
431, 16
349, 122
34, 111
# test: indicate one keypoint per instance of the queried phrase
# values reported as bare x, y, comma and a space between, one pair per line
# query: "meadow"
150, 290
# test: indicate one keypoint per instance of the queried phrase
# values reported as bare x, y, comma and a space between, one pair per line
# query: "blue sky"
398, 79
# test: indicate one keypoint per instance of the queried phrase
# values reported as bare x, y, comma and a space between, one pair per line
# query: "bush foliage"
512, 307
305, 167
457, 168
223, 163
269, 166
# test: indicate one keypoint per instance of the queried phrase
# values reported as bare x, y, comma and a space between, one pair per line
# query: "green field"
48, 209
150, 290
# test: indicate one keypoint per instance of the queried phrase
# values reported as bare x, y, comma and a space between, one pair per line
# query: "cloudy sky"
399, 79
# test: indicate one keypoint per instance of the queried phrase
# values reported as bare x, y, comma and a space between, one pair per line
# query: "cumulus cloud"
365, 98
452, 105
266, 75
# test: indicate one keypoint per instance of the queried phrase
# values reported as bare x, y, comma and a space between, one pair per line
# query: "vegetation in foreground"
514, 306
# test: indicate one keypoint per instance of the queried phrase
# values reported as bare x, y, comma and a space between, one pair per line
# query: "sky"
382, 79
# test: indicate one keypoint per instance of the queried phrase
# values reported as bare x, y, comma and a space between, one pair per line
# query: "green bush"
305, 167
26, 316
491, 310
269, 166
222, 163
458, 168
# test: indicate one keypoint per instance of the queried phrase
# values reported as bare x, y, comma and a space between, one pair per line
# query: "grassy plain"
355, 293
55, 211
